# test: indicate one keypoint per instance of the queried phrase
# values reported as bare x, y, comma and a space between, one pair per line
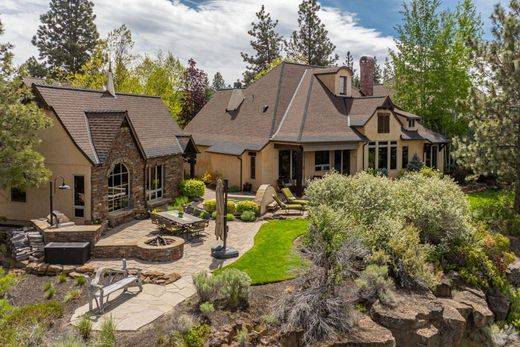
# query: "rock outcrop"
367, 333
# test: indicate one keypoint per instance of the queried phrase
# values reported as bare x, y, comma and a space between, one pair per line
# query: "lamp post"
52, 184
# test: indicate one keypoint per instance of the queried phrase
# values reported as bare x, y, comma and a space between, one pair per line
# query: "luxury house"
121, 154
300, 121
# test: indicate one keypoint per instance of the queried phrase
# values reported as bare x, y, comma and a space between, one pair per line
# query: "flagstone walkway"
130, 311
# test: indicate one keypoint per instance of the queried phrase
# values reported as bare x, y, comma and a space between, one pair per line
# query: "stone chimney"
237, 84
366, 78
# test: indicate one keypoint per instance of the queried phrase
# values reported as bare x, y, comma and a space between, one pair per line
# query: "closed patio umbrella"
219, 221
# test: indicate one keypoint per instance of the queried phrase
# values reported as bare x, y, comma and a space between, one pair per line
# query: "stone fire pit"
160, 248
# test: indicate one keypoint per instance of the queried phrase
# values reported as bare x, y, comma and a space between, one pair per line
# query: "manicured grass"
487, 198
272, 258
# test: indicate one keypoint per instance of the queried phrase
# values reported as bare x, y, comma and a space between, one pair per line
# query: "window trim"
78, 207
343, 85
323, 166
404, 164
411, 123
156, 190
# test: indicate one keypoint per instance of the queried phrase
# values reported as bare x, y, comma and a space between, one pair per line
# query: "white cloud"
213, 33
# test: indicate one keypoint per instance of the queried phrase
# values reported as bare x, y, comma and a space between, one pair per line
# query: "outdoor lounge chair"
288, 207
291, 198
108, 281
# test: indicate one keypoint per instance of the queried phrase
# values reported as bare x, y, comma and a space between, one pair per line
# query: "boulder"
513, 273
75, 274
367, 333
31, 268
453, 324
443, 289
428, 337
41, 268
67, 269
53, 270
171, 277
499, 304
481, 315
87, 268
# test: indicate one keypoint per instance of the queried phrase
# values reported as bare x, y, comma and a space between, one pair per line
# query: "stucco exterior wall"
62, 158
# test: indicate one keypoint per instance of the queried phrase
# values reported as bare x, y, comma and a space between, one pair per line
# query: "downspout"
239, 157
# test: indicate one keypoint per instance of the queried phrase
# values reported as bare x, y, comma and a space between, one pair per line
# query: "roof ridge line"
277, 101
290, 104
77, 89
305, 112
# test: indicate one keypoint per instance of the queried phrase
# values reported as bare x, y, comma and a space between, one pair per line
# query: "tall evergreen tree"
20, 165
195, 93
310, 44
349, 61
432, 63
218, 82
492, 146
120, 45
378, 74
67, 35
266, 43
32, 67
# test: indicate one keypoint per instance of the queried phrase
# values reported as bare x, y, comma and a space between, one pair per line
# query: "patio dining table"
185, 222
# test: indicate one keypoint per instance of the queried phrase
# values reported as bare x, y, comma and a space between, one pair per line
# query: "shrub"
49, 290
206, 308
415, 164
503, 336
195, 337
85, 327
269, 319
210, 178
80, 281
72, 295
430, 172
107, 334
204, 214
230, 217
6, 281
70, 341
234, 189
373, 284
248, 216
206, 286
62, 277
210, 205
214, 215
234, 287
247, 205
192, 188
243, 336
179, 203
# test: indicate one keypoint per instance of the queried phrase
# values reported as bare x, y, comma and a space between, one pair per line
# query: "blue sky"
214, 32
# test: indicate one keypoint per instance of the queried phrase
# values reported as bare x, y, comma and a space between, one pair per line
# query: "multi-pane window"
393, 155
404, 163
382, 155
154, 182
18, 195
79, 196
383, 123
342, 161
252, 163
321, 161
372, 155
343, 85
411, 123
118, 188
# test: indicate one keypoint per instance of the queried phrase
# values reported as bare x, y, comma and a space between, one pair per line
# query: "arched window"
118, 188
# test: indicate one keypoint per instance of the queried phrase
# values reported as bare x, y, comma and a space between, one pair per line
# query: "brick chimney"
366, 78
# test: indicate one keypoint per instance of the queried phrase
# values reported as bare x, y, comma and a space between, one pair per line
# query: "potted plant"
247, 187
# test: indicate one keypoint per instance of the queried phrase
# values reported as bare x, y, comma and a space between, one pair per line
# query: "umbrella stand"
224, 252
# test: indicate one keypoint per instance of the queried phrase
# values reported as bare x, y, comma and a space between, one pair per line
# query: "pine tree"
266, 43
310, 43
349, 61
20, 165
378, 74
218, 82
67, 35
432, 64
120, 45
33, 68
195, 93
492, 146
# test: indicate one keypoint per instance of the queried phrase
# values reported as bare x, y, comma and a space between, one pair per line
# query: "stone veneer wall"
126, 151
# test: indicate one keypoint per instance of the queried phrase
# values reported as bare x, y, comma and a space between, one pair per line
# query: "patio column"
299, 170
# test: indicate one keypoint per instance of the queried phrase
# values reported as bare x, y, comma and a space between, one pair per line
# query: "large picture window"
393, 155
372, 155
154, 182
79, 196
404, 163
322, 161
252, 165
382, 159
118, 188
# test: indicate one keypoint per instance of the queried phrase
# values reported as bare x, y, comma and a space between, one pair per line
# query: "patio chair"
189, 209
288, 207
291, 198
196, 228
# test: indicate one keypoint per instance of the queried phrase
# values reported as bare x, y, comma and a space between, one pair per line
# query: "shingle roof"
288, 104
103, 127
423, 133
154, 127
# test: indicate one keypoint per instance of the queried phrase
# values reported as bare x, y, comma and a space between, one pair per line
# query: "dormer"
409, 120
338, 80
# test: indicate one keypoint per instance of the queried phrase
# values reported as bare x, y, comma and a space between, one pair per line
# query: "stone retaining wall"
142, 251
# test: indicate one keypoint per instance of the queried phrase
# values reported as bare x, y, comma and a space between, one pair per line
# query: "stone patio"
130, 311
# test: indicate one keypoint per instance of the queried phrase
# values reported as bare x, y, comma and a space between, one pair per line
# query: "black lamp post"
52, 185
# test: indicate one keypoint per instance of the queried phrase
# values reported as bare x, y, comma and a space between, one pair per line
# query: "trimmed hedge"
248, 216
211, 206
192, 188
247, 205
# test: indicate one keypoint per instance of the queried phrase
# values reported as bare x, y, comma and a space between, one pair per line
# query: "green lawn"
272, 257
488, 198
